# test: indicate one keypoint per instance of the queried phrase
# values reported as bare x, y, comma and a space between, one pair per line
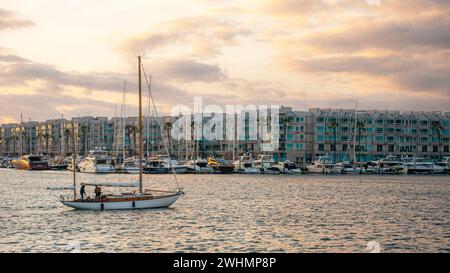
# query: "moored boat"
97, 161
199, 166
244, 165
413, 165
289, 167
220, 165
155, 166
267, 165
31, 162
323, 165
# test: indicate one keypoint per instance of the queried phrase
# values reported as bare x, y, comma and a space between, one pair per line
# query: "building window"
446, 149
391, 148
344, 147
321, 147
435, 149
379, 148
424, 149
333, 148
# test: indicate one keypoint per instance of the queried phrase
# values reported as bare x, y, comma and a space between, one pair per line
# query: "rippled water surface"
233, 213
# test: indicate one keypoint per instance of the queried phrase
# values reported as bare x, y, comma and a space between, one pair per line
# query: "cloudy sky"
71, 57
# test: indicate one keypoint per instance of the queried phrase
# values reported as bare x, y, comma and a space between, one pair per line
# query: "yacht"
199, 166
220, 165
155, 166
289, 167
345, 167
267, 165
31, 162
413, 165
59, 164
389, 165
171, 165
323, 165
130, 165
245, 165
97, 161
6, 163
445, 163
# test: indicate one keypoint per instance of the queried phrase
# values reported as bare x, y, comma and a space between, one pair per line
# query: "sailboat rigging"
144, 199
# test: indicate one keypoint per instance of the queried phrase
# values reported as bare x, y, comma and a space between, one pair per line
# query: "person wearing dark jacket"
82, 191
98, 192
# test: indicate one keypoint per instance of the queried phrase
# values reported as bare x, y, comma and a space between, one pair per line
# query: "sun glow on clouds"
301, 53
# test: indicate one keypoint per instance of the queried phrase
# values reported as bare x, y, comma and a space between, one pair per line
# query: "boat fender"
102, 206
134, 204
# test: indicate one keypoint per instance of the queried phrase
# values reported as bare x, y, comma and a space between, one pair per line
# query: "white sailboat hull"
161, 202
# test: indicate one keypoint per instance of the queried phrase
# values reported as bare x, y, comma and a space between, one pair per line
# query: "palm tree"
39, 142
334, 125
195, 140
436, 126
13, 140
360, 127
284, 121
67, 134
168, 127
46, 137
132, 131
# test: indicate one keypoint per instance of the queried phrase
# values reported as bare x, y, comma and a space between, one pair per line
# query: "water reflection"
234, 213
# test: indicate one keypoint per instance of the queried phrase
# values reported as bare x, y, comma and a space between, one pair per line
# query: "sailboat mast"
354, 133
140, 125
63, 140
74, 162
21, 135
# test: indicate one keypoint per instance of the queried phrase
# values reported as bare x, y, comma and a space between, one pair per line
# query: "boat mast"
354, 133
140, 125
123, 119
74, 162
21, 135
63, 140
147, 139
30, 133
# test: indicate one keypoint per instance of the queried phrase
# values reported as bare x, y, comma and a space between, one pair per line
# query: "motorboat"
220, 165
31, 162
348, 168
172, 165
59, 164
389, 165
323, 165
289, 167
244, 165
199, 166
445, 163
155, 166
130, 165
267, 165
97, 161
413, 165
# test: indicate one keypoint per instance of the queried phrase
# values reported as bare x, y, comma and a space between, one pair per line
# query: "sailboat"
144, 199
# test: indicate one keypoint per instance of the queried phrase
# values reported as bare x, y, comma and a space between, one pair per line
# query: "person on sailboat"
82, 191
98, 192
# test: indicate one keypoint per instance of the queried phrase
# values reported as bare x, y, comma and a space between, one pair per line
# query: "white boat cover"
114, 184
57, 188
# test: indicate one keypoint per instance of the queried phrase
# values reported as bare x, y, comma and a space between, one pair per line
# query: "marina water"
233, 213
